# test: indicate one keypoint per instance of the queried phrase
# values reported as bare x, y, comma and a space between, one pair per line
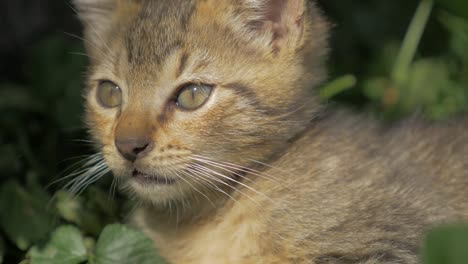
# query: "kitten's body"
257, 177
354, 191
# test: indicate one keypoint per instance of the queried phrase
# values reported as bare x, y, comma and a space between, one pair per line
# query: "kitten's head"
182, 95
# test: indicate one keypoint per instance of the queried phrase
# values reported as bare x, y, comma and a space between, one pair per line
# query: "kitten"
204, 111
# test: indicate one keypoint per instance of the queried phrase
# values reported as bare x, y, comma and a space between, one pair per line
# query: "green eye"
193, 96
109, 94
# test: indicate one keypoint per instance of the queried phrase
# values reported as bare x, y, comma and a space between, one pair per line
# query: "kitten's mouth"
144, 178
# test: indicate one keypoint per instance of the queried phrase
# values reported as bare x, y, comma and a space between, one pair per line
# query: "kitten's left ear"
280, 21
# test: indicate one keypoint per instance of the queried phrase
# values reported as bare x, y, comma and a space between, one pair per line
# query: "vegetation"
389, 57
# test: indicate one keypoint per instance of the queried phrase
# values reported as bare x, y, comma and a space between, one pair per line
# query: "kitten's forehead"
158, 30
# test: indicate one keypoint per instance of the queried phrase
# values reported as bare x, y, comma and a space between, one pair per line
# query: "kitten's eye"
109, 94
193, 96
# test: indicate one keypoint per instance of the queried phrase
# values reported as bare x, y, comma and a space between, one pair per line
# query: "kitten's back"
367, 191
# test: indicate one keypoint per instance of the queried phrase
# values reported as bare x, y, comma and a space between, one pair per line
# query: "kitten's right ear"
96, 16
99, 16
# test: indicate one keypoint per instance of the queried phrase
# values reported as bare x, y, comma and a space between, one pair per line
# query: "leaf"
66, 246
78, 211
458, 29
119, 244
458, 7
431, 87
24, 216
427, 76
447, 245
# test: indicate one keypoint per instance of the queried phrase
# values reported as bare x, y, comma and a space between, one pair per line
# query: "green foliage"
22, 204
121, 245
117, 244
402, 82
66, 246
447, 245
384, 60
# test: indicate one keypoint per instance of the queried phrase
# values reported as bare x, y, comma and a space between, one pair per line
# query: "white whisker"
195, 188
210, 172
86, 172
228, 178
204, 176
243, 169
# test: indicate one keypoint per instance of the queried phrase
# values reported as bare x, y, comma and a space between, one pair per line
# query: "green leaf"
458, 29
427, 77
19, 206
447, 245
77, 210
66, 246
119, 244
458, 7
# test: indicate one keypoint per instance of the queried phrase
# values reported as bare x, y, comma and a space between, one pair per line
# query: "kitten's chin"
153, 192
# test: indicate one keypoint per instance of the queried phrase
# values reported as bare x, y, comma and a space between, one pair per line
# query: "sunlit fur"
263, 174
252, 96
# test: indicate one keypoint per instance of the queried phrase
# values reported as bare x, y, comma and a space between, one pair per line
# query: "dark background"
41, 76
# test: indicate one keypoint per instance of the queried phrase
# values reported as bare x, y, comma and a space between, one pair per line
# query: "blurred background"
390, 58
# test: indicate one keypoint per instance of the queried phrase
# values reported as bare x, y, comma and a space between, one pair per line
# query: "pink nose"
133, 148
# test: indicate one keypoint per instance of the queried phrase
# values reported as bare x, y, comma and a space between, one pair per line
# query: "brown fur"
298, 185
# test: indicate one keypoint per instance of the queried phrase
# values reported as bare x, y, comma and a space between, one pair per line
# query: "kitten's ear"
96, 16
281, 22
99, 16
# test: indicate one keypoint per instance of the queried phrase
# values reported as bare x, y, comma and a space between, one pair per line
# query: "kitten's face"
183, 94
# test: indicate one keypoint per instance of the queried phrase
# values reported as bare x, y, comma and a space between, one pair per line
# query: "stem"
411, 41
337, 86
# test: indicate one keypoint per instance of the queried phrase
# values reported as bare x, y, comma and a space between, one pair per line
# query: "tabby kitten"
204, 110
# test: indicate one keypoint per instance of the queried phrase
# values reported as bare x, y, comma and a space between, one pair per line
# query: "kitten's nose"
133, 148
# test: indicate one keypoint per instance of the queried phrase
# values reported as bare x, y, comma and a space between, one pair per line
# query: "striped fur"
263, 173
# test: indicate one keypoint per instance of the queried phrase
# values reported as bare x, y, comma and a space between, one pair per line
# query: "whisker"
230, 179
197, 179
84, 55
195, 188
200, 175
82, 163
78, 185
87, 171
243, 169
112, 190
210, 172
225, 168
